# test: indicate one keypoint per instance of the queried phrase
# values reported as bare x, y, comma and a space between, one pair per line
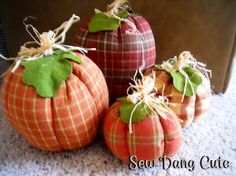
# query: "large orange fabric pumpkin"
192, 107
67, 121
152, 137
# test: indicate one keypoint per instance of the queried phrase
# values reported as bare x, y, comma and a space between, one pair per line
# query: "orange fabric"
192, 107
67, 121
152, 137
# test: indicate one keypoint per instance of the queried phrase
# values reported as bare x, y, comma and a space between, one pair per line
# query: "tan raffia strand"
143, 91
185, 59
117, 6
47, 42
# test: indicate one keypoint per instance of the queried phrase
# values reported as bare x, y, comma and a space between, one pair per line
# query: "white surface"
213, 135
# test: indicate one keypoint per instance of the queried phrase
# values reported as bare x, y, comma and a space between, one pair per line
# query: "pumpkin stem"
144, 92
185, 59
117, 6
47, 41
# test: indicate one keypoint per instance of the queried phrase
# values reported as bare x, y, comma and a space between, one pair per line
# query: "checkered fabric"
67, 121
152, 137
192, 107
119, 53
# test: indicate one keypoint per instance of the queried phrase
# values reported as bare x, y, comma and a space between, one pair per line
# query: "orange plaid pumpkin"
192, 107
64, 122
152, 137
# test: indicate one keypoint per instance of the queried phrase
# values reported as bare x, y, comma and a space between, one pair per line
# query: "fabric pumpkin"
152, 137
192, 107
141, 124
119, 52
67, 121
53, 95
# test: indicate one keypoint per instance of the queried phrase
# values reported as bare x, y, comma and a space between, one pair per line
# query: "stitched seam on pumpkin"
112, 132
89, 135
127, 140
144, 41
200, 107
72, 126
53, 122
90, 92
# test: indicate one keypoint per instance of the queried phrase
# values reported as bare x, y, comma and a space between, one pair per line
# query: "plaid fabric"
119, 53
152, 137
192, 107
64, 122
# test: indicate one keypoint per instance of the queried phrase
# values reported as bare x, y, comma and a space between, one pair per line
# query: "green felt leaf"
68, 55
194, 77
179, 81
123, 14
123, 99
72, 57
48, 72
139, 114
102, 22
58, 52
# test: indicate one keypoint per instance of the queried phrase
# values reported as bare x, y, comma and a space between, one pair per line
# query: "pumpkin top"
186, 72
142, 101
48, 72
117, 12
47, 65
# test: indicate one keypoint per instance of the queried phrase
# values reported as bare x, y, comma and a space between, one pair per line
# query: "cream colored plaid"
67, 121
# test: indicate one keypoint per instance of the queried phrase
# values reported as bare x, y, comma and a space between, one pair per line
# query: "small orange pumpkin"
187, 108
152, 137
141, 124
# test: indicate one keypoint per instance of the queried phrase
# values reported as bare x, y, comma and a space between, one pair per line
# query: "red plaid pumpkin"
192, 107
64, 122
119, 53
152, 137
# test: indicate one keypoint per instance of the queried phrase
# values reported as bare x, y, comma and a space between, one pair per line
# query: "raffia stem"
45, 45
117, 6
47, 42
144, 92
185, 59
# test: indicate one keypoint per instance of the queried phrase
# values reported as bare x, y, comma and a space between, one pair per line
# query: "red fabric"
67, 121
119, 53
152, 137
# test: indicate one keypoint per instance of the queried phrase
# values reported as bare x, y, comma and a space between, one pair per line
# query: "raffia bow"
47, 42
144, 92
115, 8
185, 59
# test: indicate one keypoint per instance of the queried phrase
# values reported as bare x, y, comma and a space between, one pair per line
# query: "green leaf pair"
48, 72
102, 22
179, 80
140, 112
